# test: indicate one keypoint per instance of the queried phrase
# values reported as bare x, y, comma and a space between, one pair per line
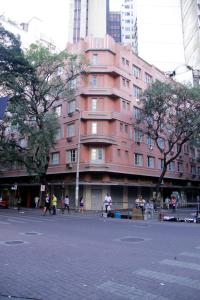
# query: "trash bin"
117, 215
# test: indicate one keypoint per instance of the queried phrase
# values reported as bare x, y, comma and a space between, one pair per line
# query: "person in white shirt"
107, 202
66, 204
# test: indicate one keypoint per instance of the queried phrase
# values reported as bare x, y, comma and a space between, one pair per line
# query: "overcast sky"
54, 15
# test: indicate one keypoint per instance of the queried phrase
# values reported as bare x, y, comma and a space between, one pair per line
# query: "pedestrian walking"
54, 203
167, 201
107, 203
19, 202
47, 205
66, 204
36, 201
81, 204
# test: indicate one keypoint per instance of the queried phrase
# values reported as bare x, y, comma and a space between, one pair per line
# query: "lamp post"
78, 161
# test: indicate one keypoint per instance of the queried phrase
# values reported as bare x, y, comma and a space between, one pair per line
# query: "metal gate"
96, 201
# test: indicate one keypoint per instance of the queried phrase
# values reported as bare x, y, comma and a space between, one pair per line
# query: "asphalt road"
86, 256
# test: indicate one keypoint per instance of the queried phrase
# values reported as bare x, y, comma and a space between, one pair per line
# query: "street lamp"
78, 161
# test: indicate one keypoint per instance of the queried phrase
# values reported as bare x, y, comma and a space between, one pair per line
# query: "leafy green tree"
32, 102
171, 117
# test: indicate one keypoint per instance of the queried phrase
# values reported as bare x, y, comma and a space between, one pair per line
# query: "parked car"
3, 203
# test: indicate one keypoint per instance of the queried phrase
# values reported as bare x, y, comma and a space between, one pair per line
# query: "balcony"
98, 139
103, 69
96, 115
97, 91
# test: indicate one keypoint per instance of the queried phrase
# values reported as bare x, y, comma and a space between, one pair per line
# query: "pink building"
115, 155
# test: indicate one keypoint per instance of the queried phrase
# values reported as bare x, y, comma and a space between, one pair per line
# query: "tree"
31, 104
171, 119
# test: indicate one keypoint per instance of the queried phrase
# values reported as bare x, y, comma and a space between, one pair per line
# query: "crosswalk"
182, 287
8, 219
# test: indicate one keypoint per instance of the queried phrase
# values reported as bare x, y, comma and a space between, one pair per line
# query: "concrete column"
125, 197
87, 196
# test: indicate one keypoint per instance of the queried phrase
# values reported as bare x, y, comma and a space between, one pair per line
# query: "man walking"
54, 203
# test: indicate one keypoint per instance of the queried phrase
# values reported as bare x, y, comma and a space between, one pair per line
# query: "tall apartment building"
88, 17
115, 155
129, 30
190, 11
114, 26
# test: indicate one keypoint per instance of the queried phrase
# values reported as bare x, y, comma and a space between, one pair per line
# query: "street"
85, 256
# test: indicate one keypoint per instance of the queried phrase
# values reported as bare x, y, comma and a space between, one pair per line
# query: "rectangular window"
150, 161
94, 128
193, 169
94, 59
97, 155
136, 71
57, 110
94, 104
180, 167
71, 106
58, 135
121, 127
148, 78
161, 163
161, 143
149, 140
118, 152
138, 159
137, 135
137, 92
126, 128
94, 81
126, 154
55, 158
137, 113
171, 166
70, 130
71, 156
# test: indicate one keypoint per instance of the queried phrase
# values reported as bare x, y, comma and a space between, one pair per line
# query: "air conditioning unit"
69, 138
180, 174
70, 114
138, 142
69, 165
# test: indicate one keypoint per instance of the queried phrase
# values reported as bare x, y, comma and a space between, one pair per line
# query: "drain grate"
132, 240
14, 242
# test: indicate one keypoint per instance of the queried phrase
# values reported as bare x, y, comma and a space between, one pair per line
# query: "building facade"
190, 12
115, 156
114, 26
129, 30
83, 20
28, 33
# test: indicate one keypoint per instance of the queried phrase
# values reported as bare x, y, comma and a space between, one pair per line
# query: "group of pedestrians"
171, 202
50, 204
147, 207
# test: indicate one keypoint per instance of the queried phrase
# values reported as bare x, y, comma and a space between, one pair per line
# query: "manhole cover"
14, 242
132, 240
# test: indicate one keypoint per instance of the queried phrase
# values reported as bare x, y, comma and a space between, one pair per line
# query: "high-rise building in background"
28, 32
190, 12
160, 38
129, 30
88, 17
114, 26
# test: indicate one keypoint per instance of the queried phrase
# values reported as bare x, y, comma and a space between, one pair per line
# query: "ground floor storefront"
124, 191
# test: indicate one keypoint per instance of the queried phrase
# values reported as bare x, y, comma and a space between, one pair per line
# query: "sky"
54, 15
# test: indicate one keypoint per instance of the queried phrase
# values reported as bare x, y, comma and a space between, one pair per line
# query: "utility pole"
78, 161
